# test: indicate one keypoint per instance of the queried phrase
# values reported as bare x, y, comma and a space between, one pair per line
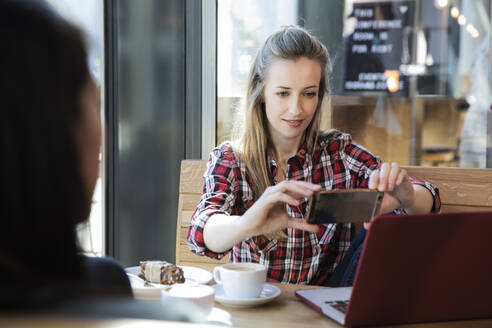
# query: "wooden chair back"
190, 191
460, 189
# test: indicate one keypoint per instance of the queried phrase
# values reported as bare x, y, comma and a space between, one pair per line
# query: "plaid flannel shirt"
302, 257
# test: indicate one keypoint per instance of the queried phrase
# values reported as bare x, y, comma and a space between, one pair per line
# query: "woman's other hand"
398, 190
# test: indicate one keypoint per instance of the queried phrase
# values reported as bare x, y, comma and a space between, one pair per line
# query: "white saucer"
268, 293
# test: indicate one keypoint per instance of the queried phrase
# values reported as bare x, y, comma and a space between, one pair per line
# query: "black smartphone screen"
344, 206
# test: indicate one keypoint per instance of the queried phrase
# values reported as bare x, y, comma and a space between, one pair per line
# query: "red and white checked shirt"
302, 257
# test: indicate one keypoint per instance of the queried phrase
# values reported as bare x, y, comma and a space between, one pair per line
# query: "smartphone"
344, 206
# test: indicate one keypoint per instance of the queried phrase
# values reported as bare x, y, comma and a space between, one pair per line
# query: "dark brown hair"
42, 195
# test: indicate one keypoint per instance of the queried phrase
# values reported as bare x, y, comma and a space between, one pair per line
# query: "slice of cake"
161, 272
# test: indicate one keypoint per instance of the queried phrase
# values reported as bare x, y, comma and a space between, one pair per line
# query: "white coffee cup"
241, 280
193, 296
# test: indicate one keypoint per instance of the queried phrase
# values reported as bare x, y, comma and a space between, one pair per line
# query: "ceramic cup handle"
217, 275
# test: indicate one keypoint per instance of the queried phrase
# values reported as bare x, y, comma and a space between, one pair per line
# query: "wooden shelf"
372, 99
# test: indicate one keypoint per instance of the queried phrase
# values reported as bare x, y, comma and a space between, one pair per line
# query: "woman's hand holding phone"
268, 214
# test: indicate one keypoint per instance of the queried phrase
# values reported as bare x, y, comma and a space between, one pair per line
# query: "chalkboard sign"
381, 41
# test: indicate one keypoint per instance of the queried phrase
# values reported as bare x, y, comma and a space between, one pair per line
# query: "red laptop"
416, 268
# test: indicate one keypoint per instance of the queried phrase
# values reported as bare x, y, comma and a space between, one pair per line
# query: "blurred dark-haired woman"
50, 136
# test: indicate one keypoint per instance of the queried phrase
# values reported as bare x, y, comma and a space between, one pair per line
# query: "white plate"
191, 274
268, 293
152, 293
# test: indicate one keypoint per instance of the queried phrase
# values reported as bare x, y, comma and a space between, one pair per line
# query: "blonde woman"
261, 183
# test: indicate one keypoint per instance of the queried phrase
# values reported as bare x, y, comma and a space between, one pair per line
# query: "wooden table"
57, 322
288, 312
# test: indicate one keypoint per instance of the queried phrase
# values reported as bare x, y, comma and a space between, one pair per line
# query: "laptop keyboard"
339, 305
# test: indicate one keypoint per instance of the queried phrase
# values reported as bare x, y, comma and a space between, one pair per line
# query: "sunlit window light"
414, 69
461, 19
455, 12
441, 3
472, 30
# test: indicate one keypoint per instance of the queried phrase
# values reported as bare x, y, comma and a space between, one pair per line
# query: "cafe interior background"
410, 80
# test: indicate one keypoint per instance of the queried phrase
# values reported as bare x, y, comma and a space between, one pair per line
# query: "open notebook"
416, 268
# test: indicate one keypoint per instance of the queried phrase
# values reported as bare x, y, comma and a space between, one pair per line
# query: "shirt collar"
302, 155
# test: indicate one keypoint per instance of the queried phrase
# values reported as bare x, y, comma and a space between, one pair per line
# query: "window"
410, 79
242, 27
88, 16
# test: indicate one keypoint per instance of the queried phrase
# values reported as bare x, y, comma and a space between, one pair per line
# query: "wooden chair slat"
190, 201
458, 187
187, 256
191, 178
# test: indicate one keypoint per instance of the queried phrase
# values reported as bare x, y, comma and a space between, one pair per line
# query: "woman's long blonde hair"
291, 43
